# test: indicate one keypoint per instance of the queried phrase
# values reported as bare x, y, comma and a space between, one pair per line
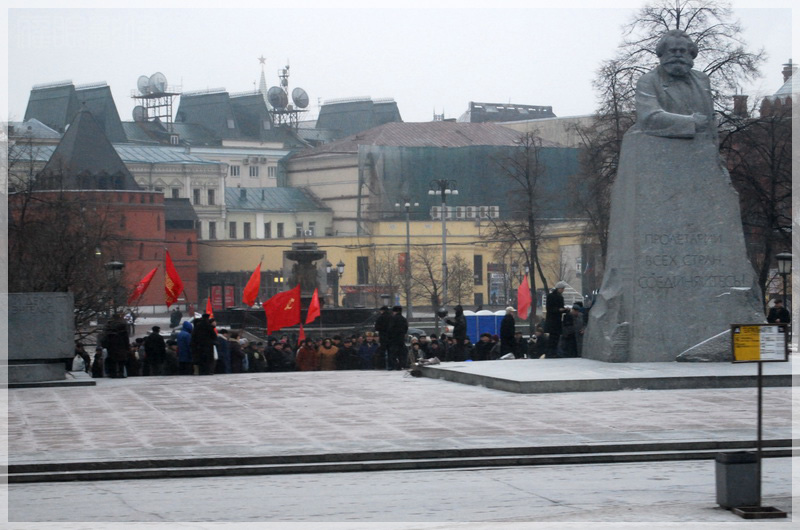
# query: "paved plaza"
292, 415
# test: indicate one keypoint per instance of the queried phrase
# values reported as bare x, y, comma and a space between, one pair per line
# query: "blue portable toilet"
472, 325
487, 323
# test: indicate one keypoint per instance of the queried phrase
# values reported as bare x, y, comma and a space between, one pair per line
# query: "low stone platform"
541, 376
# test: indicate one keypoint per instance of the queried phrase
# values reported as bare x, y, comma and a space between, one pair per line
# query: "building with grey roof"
85, 159
345, 117
361, 177
480, 112
275, 213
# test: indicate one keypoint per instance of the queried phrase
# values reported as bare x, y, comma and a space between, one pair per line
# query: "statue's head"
676, 51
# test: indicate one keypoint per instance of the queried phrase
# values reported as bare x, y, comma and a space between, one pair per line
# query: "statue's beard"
678, 67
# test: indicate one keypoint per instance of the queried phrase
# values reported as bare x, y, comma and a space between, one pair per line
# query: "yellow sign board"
759, 343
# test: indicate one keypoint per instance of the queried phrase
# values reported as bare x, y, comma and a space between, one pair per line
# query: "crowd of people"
199, 347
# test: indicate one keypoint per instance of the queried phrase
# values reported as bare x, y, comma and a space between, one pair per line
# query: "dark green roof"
211, 110
99, 101
349, 117
54, 105
85, 159
272, 200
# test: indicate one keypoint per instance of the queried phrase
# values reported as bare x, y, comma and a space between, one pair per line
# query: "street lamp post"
407, 206
443, 187
114, 269
784, 269
335, 273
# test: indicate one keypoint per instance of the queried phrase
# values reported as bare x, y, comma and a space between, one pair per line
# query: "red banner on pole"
142, 286
251, 289
172, 282
523, 299
283, 310
313, 308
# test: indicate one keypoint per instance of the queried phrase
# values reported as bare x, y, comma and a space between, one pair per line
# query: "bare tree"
523, 228
386, 275
60, 242
426, 273
759, 155
460, 280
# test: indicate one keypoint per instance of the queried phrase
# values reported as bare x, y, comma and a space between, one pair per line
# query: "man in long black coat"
554, 305
117, 344
508, 327
382, 329
398, 328
459, 323
203, 339
155, 350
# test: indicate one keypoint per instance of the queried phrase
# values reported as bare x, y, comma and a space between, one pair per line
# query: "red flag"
142, 286
523, 298
253, 285
172, 282
283, 310
313, 308
209, 309
302, 335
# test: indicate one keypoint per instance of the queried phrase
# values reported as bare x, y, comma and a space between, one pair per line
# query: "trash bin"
737, 479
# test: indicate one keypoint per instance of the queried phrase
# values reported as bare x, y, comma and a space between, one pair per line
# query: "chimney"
740, 106
788, 70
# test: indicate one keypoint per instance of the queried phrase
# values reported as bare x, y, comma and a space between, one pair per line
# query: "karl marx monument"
676, 271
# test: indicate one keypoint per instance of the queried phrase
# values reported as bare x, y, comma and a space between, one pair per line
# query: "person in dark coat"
483, 348
396, 344
382, 330
185, 349
779, 314
224, 361
508, 327
155, 350
203, 339
554, 306
368, 352
97, 362
459, 323
117, 344
347, 357
572, 332
237, 355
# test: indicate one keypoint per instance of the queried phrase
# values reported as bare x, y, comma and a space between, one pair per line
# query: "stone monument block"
677, 271
41, 335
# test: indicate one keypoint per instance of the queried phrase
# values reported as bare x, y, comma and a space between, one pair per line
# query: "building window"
312, 228
271, 172
211, 197
267, 230
212, 230
298, 229
159, 189
231, 124
232, 230
188, 247
234, 171
141, 250
253, 171
362, 270
122, 222
176, 193
158, 222
280, 230
477, 269
174, 139
246, 231
196, 196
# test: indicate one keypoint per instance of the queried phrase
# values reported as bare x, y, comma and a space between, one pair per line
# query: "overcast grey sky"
425, 59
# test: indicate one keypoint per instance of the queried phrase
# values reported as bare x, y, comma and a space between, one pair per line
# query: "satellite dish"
277, 97
158, 83
143, 85
139, 113
300, 98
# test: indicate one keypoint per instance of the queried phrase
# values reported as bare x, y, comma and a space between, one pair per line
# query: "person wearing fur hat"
554, 307
508, 326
